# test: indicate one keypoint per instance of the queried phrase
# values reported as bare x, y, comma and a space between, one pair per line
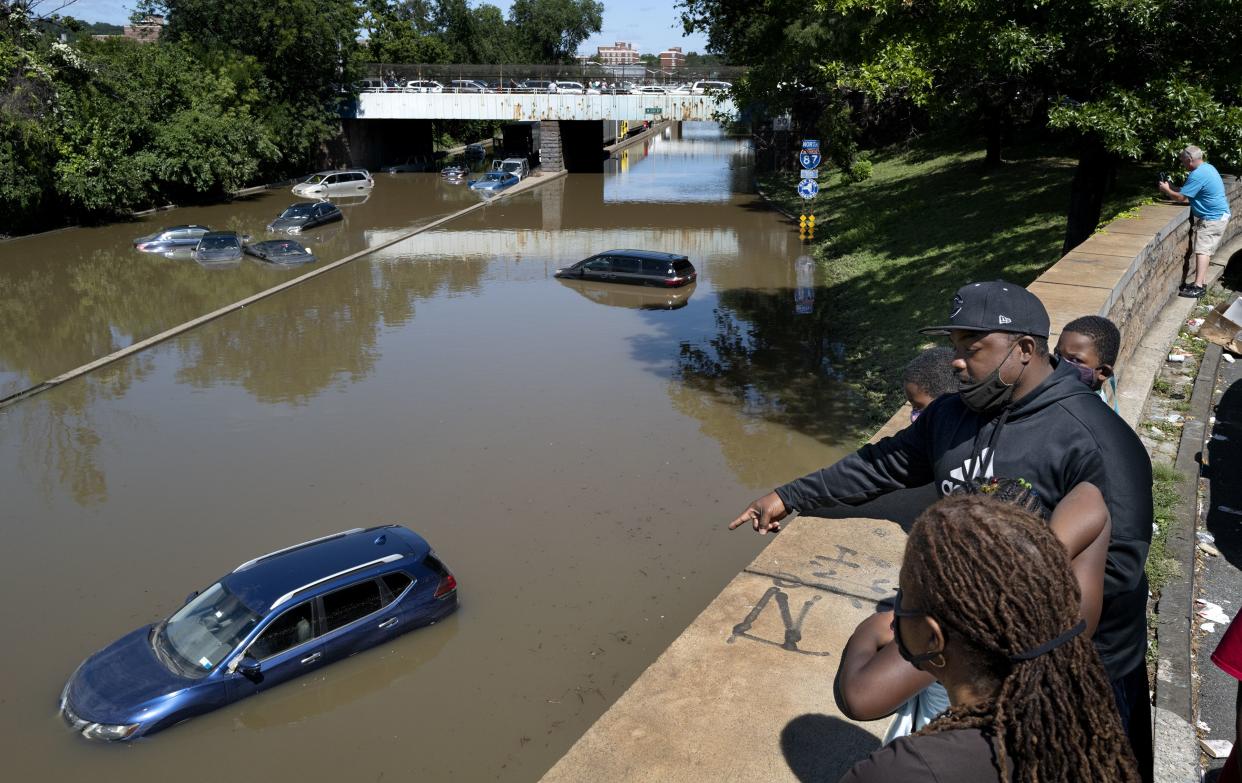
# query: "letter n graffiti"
793, 627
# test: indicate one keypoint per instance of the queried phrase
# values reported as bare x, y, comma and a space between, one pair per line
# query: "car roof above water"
655, 255
263, 580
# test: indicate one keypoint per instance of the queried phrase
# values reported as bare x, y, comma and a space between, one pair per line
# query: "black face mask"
902, 649
1085, 374
990, 394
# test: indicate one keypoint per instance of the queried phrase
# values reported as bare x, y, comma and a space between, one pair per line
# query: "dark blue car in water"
273, 618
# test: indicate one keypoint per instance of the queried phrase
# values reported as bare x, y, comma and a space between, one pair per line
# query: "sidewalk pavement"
1219, 577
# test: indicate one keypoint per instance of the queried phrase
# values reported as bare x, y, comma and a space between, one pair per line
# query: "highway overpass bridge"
567, 131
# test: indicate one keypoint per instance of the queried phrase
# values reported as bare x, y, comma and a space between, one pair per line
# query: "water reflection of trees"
284, 349
772, 364
292, 346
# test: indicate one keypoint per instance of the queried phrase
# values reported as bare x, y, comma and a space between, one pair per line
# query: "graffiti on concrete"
793, 626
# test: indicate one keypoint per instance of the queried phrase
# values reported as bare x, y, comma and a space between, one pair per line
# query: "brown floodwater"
573, 453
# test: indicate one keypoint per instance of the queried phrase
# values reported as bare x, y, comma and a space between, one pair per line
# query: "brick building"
620, 53
672, 58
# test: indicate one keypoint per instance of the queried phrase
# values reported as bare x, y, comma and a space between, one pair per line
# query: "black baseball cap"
994, 307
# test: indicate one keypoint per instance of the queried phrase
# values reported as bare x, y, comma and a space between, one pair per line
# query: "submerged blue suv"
272, 619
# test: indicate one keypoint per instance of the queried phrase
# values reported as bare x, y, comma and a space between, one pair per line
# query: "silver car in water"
335, 183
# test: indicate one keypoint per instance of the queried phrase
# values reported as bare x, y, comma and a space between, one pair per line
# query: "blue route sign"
808, 188
809, 159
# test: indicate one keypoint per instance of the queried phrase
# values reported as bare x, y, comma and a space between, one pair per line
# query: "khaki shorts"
1208, 234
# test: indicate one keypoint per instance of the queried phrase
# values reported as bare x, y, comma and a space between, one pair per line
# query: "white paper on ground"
1217, 748
1212, 612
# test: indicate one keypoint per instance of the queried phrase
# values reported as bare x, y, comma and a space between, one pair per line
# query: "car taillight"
672, 282
447, 585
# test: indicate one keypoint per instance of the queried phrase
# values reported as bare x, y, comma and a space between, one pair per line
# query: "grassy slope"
892, 250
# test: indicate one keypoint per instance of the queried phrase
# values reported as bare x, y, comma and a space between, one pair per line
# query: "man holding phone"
1204, 191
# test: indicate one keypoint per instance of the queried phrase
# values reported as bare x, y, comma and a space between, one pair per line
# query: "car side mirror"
191, 596
250, 668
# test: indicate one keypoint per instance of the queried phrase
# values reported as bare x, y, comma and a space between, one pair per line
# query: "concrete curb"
141, 345
630, 141
1177, 756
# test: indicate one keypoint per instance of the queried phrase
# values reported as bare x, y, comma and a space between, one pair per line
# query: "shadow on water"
822, 748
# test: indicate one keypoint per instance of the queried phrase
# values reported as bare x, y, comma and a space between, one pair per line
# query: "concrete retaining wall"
745, 693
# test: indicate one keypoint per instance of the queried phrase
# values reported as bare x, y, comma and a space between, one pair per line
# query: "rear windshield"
683, 266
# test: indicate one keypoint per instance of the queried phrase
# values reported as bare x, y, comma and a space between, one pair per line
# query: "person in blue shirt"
1209, 209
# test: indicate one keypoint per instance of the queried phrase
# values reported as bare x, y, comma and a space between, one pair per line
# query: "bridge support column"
551, 158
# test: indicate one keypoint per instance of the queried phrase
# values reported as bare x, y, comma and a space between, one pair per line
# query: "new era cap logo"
956, 307
1004, 319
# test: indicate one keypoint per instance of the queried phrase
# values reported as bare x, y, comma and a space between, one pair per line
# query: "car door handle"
312, 658
388, 623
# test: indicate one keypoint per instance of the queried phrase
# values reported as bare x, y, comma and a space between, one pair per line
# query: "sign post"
808, 185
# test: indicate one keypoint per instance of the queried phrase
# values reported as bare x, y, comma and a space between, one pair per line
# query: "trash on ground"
1229, 510
1217, 748
1212, 612
1228, 357
1203, 726
1177, 357
1205, 536
1208, 549
1209, 627
1174, 418
1218, 436
1195, 323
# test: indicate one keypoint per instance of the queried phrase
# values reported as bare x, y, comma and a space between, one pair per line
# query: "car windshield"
315, 179
496, 176
202, 634
298, 210
217, 243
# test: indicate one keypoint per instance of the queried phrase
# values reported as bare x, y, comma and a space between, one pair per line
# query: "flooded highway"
572, 452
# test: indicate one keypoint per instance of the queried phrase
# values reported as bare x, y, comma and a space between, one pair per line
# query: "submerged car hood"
120, 678
223, 254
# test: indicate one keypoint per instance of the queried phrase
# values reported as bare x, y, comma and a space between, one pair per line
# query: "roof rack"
341, 534
330, 577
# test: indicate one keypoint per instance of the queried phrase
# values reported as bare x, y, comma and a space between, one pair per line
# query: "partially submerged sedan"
171, 238
494, 182
218, 248
283, 252
300, 217
637, 267
276, 617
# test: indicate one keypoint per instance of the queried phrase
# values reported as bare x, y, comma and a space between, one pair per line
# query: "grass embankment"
1161, 566
893, 249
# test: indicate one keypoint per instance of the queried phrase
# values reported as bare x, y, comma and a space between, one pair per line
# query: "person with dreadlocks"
1018, 413
871, 685
987, 605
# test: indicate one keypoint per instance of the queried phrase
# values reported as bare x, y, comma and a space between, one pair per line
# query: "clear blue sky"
649, 24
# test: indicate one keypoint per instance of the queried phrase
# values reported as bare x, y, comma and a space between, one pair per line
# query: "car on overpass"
465, 85
423, 85
649, 89
570, 88
708, 86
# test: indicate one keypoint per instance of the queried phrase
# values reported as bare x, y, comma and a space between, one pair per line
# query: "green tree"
550, 31
476, 35
306, 51
403, 31
1120, 79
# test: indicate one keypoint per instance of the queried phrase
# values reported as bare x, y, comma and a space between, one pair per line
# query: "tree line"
1108, 81
231, 94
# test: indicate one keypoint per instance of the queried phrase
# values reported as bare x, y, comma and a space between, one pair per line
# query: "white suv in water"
351, 182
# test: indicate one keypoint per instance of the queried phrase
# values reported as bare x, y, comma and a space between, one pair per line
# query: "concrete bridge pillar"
551, 158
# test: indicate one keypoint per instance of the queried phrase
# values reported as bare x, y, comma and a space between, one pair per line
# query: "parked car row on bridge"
541, 86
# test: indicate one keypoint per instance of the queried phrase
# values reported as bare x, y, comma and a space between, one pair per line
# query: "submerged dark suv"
641, 267
273, 618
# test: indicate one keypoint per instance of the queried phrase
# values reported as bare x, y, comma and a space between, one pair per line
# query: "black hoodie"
1055, 437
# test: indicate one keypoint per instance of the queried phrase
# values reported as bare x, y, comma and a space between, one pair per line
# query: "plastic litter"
1205, 536
1195, 323
1209, 627
1212, 612
1174, 418
1218, 436
1217, 748
1228, 357
1229, 510
1202, 726
1177, 357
